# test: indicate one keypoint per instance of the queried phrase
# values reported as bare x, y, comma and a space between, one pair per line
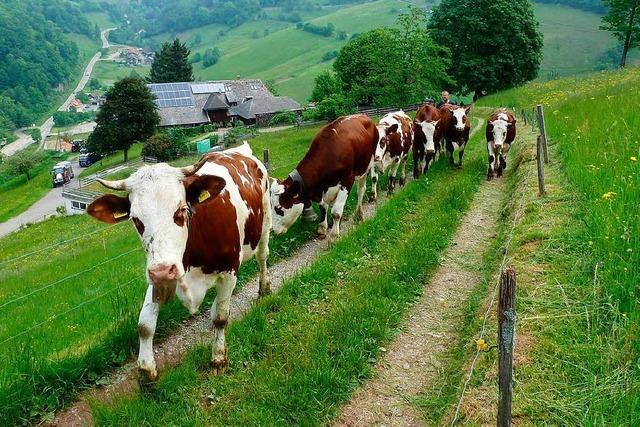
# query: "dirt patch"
415, 358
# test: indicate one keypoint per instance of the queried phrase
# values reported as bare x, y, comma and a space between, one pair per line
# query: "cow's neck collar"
296, 177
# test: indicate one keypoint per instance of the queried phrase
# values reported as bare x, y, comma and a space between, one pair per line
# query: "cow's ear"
391, 129
513, 122
467, 110
110, 208
203, 188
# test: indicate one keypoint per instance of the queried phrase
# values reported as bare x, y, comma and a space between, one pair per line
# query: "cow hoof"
321, 236
148, 375
372, 199
219, 367
401, 183
264, 291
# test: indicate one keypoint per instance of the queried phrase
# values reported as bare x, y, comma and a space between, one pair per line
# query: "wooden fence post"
540, 166
523, 113
506, 344
265, 156
543, 131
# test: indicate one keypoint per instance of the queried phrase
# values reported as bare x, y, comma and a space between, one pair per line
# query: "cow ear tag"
203, 196
117, 215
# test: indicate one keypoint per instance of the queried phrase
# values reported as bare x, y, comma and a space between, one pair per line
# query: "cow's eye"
279, 210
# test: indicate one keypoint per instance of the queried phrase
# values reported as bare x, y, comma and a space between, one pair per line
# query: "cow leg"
337, 210
262, 254
220, 318
418, 159
374, 184
361, 183
392, 174
324, 225
502, 164
309, 215
146, 329
461, 153
403, 172
490, 171
450, 150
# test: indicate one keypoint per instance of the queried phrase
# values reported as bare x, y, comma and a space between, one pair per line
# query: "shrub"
328, 56
163, 147
238, 133
211, 57
331, 107
66, 118
283, 118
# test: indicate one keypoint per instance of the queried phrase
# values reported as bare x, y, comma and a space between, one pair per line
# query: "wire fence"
507, 245
52, 318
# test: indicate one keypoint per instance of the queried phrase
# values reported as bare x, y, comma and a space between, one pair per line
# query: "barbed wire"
64, 279
82, 304
55, 245
516, 220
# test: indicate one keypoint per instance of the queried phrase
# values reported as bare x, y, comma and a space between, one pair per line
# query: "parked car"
76, 145
87, 158
61, 173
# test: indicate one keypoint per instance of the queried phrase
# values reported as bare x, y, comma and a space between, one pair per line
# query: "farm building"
222, 101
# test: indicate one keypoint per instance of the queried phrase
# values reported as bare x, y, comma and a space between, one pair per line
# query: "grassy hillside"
576, 255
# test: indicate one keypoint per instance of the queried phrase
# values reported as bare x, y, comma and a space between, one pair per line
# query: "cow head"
384, 139
429, 129
286, 204
460, 117
499, 131
159, 202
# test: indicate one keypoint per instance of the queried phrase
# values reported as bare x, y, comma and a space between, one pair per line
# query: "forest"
38, 58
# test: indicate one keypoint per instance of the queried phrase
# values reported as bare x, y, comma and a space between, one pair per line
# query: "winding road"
25, 140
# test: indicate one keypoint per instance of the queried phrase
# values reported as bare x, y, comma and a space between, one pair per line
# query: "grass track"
300, 353
577, 350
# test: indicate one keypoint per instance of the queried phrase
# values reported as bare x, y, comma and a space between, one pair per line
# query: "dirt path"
415, 358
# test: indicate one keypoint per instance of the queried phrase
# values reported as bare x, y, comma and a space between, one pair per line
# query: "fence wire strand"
82, 304
56, 282
516, 220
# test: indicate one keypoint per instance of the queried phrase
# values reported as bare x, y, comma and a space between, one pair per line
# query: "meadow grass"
113, 159
18, 194
576, 254
108, 72
74, 305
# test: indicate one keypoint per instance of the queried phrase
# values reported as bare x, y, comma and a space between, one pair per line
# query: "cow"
426, 140
395, 138
500, 133
340, 154
455, 129
197, 224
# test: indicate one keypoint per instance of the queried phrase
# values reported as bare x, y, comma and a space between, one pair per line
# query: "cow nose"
160, 273
431, 150
376, 158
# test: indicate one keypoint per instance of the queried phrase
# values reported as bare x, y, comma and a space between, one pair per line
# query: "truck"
87, 158
61, 173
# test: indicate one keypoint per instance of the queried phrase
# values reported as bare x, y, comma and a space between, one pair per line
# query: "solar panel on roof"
200, 88
172, 94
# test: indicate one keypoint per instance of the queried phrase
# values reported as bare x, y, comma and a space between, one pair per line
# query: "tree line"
37, 58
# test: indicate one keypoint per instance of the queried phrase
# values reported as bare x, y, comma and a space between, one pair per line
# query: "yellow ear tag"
117, 215
203, 196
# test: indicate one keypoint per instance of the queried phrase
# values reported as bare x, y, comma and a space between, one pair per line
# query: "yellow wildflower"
609, 195
634, 158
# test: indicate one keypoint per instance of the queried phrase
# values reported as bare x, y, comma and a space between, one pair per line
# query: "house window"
75, 205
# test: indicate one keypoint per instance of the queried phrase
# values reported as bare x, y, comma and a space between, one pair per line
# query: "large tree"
623, 21
128, 115
393, 66
172, 64
495, 44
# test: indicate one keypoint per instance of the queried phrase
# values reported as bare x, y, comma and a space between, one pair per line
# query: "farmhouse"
221, 102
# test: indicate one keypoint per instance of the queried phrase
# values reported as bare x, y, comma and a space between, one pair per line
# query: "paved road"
43, 208
25, 140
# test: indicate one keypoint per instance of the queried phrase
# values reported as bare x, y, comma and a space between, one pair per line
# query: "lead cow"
197, 225
455, 130
395, 138
500, 134
341, 153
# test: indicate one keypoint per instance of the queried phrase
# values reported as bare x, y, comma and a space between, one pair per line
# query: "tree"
94, 84
623, 21
389, 66
211, 57
172, 64
22, 162
327, 84
128, 115
162, 147
495, 44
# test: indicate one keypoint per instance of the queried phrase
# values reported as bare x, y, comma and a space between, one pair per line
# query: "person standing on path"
445, 100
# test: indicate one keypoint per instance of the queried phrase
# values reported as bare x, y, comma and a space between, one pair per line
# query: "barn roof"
255, 106
216, 101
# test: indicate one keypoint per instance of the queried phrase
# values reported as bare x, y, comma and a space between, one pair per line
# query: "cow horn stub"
114, 185
190, 170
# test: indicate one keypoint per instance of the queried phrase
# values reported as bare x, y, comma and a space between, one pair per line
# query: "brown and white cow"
455, 129
500, 133
341, 153
197, 225
426, 140
395, 138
